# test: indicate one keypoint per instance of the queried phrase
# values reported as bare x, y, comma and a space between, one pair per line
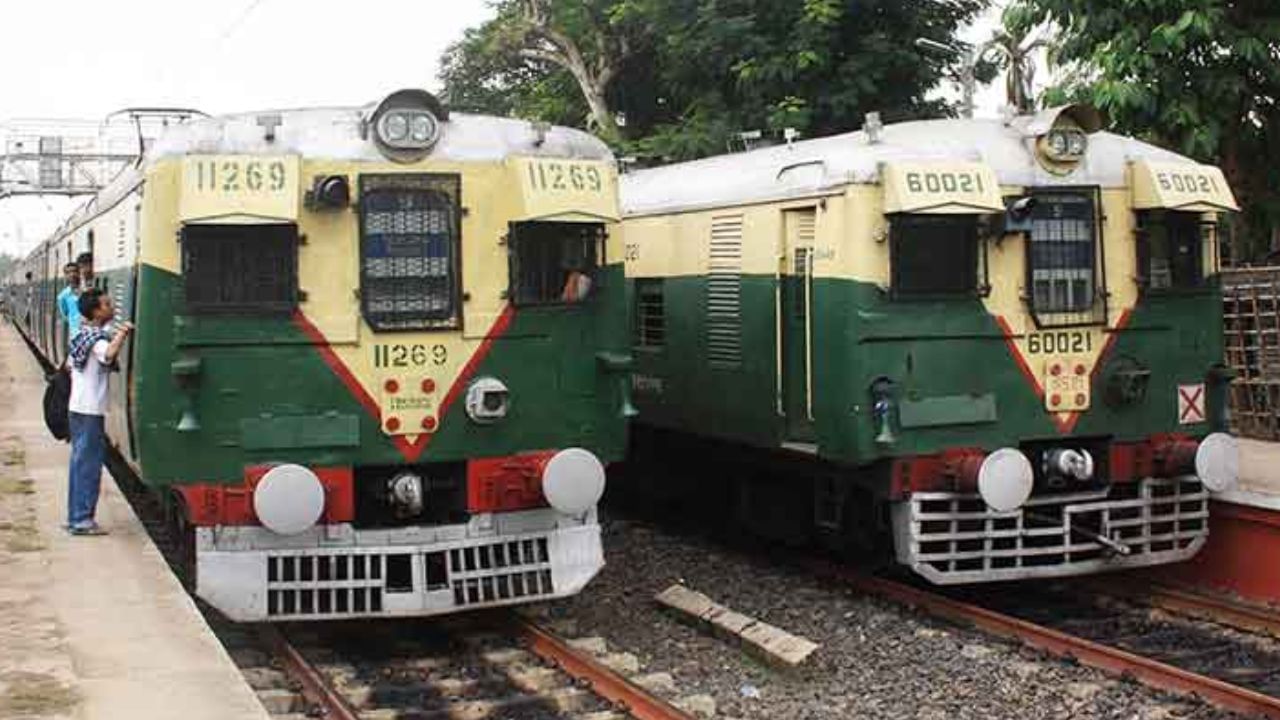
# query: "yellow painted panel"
940, 187
239, 188
566, 190
1179, 186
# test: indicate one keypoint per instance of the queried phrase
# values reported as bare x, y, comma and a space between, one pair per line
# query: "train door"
796, 326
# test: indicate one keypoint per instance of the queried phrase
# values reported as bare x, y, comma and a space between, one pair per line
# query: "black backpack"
57, 397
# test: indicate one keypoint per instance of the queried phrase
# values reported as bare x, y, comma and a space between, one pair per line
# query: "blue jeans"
88, 451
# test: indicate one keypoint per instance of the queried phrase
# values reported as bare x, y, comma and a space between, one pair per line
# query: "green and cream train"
378, 365
994, 345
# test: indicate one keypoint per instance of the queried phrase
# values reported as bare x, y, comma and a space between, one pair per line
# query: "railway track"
1233, 668
493, 666
499, 664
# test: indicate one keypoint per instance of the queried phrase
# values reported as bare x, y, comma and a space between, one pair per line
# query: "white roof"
334, 133
815, 166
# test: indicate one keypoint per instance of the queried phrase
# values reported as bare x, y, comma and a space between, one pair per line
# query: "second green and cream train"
996, 344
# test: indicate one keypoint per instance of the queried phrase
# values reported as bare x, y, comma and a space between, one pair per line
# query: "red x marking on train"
1190, 404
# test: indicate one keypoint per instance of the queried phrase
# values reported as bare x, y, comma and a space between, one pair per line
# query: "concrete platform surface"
1259, 475
91, 627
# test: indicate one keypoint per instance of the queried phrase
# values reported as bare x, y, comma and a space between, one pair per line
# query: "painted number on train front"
944, 182
551, 176
407, 356
239, 175
1060, 342
1187, 182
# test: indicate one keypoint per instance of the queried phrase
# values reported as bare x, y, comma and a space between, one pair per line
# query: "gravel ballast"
876, 660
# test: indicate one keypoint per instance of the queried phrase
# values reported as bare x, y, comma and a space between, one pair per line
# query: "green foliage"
6, 264
1199, 76
691, 74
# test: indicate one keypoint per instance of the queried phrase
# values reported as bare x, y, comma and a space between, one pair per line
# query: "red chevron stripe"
1065, 427
410, 451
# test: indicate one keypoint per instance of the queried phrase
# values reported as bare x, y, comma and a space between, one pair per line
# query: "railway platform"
1244, 534
91, 627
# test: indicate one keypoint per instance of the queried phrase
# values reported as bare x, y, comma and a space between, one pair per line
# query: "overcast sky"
84, 59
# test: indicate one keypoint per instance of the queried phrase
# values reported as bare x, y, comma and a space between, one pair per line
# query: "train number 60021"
1063, 341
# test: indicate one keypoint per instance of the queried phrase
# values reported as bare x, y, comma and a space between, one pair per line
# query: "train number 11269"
407, 356
1060, 342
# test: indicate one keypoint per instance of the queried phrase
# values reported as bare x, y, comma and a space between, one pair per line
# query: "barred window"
1171, 248
240, 269
409, 251
933, 255
554, 263
1062, 258
651, 315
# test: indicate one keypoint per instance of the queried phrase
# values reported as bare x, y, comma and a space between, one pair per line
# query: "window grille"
409, 240
554, 263
933, 256
650, 320
1063, 259
724, 292
1172, 246
240, 269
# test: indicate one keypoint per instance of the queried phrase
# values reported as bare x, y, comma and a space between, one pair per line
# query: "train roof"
335, 133
814, 166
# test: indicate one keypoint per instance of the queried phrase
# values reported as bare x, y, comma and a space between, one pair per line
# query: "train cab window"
240, 269
1061, 256
933, 255
1172, 247
555, 263
410, 235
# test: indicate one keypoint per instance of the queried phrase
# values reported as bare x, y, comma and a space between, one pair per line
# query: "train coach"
378, 366
988, 350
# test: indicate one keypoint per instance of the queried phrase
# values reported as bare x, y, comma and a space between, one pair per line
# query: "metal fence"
1251, 321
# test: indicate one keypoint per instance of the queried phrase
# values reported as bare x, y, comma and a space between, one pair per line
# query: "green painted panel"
279, 433
948, 410
561, 396
931, 350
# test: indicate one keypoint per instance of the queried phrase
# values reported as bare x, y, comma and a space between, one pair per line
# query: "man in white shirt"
92, 358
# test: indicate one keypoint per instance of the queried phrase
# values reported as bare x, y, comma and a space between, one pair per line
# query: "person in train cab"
85, 263
68, 308
92, 357
577, 283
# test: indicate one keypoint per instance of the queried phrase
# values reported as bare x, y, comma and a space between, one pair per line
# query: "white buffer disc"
573, 481
1005, 480
288, 499
1218, 462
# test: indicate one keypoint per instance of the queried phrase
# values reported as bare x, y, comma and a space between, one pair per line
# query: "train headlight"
1218, 462
407, 124
1005, 479
573, 481
288, 499
1077, 143
1065, 145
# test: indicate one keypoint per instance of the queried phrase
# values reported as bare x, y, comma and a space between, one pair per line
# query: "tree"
688, 75
533, 46
1012, 48
1199, 76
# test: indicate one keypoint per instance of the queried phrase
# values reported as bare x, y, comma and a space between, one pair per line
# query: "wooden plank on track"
773, 643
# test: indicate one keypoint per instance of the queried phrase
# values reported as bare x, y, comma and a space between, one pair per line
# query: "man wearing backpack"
92, 358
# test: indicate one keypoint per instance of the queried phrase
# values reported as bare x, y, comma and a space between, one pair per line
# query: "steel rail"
314, 687
1197, 604
638, 702
1103, 657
